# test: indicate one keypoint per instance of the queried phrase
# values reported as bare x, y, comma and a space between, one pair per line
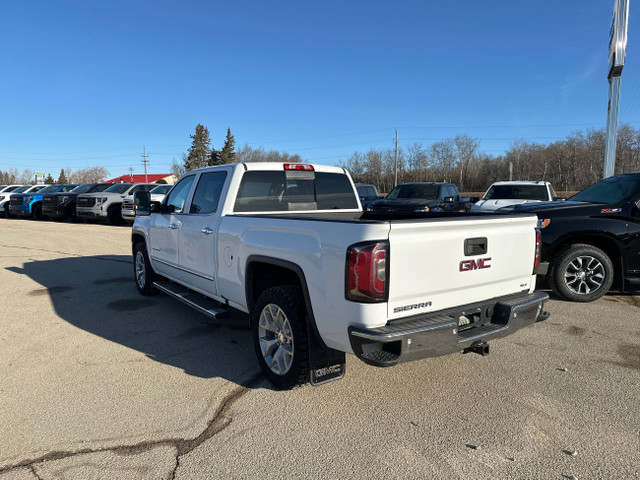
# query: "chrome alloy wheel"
141, 271
276, 339
584, 274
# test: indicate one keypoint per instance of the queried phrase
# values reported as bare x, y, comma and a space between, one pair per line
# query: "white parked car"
503, 194
157, 195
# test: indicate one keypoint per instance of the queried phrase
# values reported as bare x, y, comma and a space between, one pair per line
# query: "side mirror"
448, 199
142, 203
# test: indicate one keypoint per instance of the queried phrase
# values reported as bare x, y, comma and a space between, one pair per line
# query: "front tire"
581, 273
37, 212
142, 271
114, 216
280, 336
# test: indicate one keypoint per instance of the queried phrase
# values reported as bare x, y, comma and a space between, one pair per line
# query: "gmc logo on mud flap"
466, 265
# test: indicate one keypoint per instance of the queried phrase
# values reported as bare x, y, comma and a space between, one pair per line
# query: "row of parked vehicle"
445, 197
90, 201
590, 242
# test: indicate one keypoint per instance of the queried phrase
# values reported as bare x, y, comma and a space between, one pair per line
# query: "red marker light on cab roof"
298, 166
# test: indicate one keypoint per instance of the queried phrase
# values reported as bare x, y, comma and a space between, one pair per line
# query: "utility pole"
396, 158
617, 50
131, 174
145, 161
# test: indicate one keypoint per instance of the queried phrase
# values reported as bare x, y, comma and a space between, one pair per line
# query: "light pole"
617, 48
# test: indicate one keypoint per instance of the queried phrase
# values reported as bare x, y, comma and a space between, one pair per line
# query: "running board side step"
204, 305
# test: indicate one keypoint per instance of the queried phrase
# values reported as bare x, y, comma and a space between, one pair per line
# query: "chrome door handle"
207, 231
173, 226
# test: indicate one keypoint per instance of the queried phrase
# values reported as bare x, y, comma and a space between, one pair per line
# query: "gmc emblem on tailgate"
466, 265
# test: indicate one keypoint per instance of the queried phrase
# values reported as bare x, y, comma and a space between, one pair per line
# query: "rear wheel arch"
264, 272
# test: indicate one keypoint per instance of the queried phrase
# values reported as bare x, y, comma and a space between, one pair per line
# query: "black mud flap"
325, 364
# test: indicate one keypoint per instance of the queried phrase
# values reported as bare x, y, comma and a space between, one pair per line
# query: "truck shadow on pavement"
98, 294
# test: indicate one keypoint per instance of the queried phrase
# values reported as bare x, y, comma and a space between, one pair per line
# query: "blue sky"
88, 83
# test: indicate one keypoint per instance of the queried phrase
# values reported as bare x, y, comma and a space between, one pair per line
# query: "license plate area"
475, 317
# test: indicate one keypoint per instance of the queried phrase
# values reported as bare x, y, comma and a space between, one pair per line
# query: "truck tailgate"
440, 263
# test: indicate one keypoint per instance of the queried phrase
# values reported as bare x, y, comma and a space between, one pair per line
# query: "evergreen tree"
62, 178
228, 153
49, 179
215, 158
199, 151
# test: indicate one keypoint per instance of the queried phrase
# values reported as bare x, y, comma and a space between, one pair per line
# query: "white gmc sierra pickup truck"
290, 245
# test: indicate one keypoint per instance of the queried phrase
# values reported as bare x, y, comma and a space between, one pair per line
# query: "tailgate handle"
475, 246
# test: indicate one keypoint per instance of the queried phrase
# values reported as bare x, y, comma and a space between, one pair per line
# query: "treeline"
571, 164
27, 177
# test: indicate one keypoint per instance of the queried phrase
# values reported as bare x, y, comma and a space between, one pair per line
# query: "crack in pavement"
32, 469
218, 423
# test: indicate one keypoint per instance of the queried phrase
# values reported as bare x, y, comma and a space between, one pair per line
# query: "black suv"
591, 241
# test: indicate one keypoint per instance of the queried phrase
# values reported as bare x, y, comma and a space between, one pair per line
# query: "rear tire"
280, 336
142, 271
581, 273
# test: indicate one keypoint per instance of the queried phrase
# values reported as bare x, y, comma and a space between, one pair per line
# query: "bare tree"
178, 167
249, 154
89, 175
466, 148
444, 157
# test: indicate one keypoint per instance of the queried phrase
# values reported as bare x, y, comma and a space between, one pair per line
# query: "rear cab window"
282, 191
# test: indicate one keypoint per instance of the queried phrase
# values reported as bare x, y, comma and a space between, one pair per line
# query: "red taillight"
298, 166
367, 272
536, 262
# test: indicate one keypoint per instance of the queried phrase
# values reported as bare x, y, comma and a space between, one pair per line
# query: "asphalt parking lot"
100, 382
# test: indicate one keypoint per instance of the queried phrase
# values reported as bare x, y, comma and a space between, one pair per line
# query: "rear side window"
207, 194
279, 192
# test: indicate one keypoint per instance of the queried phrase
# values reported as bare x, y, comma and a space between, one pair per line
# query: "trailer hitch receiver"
481, 348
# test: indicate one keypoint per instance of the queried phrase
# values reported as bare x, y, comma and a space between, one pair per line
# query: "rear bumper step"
204, 305
449, 331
